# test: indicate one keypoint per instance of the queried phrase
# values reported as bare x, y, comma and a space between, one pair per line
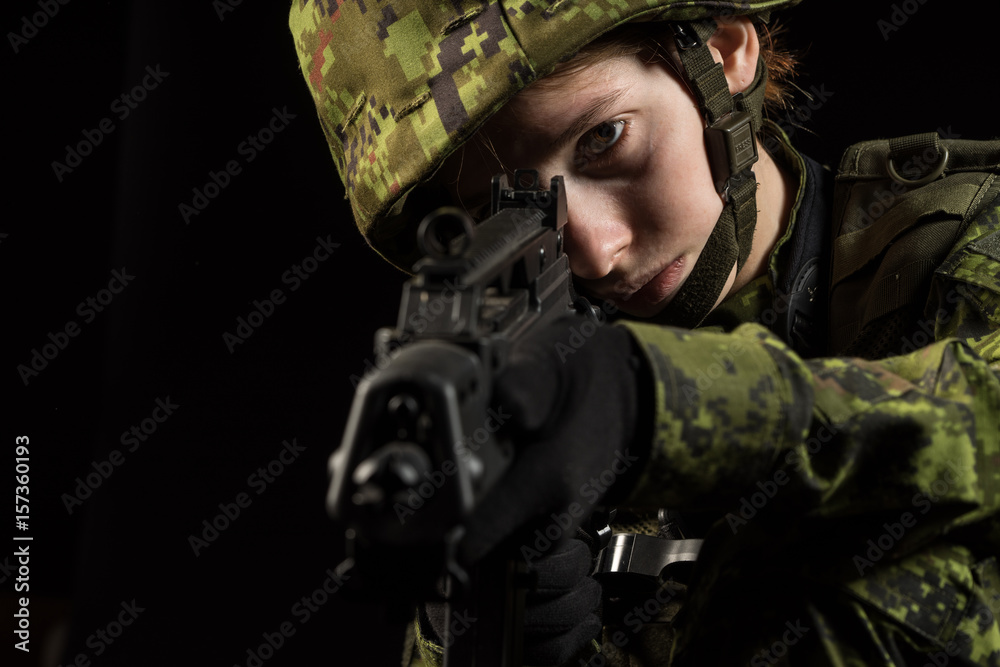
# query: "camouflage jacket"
858, 480
852, 480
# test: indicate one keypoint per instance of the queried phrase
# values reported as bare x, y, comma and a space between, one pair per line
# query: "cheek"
680, 180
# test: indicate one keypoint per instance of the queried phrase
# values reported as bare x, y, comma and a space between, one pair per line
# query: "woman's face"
628, 139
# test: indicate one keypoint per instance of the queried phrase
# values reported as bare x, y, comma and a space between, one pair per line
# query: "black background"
162, 335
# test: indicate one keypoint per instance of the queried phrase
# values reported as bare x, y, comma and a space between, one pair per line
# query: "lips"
660, 286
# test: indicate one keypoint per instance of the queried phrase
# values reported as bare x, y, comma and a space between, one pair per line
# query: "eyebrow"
593, 113
596, 111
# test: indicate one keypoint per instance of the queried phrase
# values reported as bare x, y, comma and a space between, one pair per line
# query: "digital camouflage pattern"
872, 485
400, 84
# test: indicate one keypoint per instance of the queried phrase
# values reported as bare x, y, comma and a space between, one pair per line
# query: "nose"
596, 235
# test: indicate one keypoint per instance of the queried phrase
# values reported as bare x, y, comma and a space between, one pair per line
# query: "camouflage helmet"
399, 85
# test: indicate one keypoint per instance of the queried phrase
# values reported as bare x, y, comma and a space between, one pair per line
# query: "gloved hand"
581, 404
561, 613
580, 395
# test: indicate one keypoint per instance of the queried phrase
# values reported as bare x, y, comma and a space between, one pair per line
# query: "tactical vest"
899, 207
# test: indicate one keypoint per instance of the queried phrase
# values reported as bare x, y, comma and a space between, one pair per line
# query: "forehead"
549, 101
539, 121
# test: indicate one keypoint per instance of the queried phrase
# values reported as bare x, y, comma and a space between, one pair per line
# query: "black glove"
561, 613
580, 399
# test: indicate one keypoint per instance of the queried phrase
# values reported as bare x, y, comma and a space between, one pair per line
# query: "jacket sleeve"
732, 407
906, 448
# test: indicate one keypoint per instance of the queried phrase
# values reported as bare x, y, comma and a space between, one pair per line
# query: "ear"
736, 46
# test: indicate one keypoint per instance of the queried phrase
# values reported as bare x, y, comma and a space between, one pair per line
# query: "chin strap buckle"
731, 148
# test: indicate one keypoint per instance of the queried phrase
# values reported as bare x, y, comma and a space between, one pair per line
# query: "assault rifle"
421, 448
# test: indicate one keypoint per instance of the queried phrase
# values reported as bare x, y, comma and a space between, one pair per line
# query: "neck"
775, 195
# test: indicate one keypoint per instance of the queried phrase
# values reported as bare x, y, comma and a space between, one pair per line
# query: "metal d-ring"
934, 174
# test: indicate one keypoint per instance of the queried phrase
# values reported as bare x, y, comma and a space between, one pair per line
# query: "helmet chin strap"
731, 124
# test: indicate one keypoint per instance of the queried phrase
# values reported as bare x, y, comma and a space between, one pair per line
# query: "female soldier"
806, 367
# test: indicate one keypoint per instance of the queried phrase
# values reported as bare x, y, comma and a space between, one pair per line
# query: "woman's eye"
599, 140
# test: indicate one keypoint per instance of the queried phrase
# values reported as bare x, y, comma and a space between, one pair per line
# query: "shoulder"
906, 211
917, 173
